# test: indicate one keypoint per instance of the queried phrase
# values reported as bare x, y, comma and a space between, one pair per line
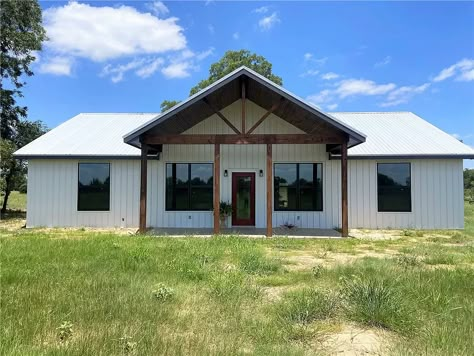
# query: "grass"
16, 201
82, 292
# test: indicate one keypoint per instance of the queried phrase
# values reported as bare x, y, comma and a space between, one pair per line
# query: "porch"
237, 110
251, 232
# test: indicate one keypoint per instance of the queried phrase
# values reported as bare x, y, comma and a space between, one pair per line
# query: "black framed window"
298, 186
93, 187
394, 187
189, 186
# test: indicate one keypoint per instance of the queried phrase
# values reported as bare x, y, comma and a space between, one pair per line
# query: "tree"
168, 104
21, 34
229, 62
13, 171
469, 184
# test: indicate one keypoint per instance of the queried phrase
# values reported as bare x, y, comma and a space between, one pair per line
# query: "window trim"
189, 185
411, 190
275, 209
77, 194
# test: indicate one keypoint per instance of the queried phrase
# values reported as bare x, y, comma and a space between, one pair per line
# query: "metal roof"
88, 135
355, 136
401, 134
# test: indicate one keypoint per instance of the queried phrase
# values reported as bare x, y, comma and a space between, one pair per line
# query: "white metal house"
276, 158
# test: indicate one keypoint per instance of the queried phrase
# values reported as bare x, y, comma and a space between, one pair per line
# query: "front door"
243, 199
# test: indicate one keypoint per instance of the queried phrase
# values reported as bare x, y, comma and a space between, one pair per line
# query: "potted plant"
225, 210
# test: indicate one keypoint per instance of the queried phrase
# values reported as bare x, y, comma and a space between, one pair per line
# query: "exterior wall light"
260, 173
226, 173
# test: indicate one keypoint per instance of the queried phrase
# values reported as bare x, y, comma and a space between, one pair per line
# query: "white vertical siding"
52, 194
437, 196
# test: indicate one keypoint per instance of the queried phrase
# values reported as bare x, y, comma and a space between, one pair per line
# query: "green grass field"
16, 201
78, 292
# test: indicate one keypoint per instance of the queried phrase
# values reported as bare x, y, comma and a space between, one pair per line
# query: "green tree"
13, 171
469, 184
229, 62
168, 104
21, 34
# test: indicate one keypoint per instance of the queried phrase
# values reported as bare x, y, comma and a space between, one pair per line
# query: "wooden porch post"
345, 220
217, 186
269, 190
143, 184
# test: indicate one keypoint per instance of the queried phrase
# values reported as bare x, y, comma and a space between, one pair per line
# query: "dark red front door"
243, 199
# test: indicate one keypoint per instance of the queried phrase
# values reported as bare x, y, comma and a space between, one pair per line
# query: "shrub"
163, 293
64, 331
406, 261
379, 303
305, 306
254, 262
317, 270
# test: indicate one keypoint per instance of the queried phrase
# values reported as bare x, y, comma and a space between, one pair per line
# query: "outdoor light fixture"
225, 173
260, 173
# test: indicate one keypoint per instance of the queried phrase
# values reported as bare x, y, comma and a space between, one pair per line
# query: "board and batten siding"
437, 187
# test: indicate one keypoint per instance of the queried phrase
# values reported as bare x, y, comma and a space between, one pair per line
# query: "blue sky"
342, 56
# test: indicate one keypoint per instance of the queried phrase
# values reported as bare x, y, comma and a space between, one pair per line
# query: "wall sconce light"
260, 173
226, 173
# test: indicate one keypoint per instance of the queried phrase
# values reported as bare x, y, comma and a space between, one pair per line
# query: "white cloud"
332, 106
57, 66
236, 35
150, 68
456, 136
143, 67
309, 73
105, 33
403, 94
383, 62
211, 29
352, 87
261, 10
309, 57
463, 70
177, 70
266, 23
349, 88
204, 54
158, 8
329, 76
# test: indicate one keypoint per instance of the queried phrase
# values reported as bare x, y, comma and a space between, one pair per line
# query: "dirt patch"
302, 262
364, 234
352, 340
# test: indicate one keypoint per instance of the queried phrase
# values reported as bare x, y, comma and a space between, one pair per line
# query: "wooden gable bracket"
218, 113
264, 116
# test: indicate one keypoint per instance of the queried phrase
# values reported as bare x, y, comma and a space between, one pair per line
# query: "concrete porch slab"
246, 232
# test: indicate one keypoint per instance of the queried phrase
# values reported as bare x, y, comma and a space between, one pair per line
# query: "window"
394, 187
189, 186
298, 187
94, 187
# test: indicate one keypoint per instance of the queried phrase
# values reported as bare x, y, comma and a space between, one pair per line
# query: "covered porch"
245, 87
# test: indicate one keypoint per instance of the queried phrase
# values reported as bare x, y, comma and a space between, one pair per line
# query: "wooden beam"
217, 187
243, 106
218, 113
269, 190
242, 139
143, 186
345, 218
264, 116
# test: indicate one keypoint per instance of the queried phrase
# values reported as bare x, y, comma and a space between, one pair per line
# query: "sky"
129, 56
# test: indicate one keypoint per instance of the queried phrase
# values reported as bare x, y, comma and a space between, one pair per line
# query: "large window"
298, 187
94, 187
189, 186
394, 187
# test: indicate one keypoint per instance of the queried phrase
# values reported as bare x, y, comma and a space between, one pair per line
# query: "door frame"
251, 221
